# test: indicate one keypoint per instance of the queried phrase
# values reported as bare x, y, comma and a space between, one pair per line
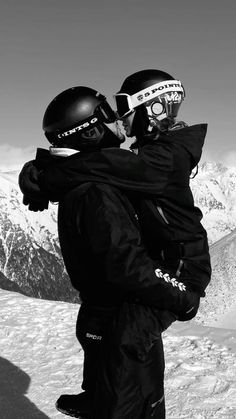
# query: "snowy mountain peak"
29, 250
214, 191
212, 167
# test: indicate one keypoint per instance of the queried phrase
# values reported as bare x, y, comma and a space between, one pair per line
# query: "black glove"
28, 182
34, 204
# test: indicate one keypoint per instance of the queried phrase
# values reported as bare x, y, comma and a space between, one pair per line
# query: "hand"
28, 179
35, 205
28, 182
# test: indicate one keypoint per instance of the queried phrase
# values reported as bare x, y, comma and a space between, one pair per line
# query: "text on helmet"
158, 88
81, 127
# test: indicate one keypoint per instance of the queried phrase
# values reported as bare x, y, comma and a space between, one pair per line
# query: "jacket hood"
191, 138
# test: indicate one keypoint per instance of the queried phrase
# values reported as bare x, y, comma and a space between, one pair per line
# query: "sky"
49, 46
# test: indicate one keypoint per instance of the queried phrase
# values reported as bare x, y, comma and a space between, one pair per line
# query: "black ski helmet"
74, 113
157, 93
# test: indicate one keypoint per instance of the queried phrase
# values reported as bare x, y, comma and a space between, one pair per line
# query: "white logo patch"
173, 97
94, 337
172, 281
149, 93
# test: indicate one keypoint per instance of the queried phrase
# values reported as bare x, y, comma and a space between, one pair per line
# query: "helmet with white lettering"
153, 96
77, 118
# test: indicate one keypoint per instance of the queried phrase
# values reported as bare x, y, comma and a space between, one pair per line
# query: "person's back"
170, 222
85, 242
104, 252
175, 154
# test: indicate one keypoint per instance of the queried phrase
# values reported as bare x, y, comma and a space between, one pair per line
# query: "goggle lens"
105, 113
122, 104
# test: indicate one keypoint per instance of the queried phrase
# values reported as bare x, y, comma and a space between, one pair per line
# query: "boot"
76, 405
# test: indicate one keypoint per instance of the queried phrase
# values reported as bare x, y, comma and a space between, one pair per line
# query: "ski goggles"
126, 103
104, 112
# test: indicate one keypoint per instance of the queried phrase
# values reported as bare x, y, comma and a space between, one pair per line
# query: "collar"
62, 152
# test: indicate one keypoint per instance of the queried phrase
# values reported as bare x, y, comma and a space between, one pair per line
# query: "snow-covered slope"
29, 250
214, 190
41, 359
220, 298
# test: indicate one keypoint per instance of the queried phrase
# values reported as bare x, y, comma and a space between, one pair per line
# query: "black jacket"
157, 183
105, 256
160, 171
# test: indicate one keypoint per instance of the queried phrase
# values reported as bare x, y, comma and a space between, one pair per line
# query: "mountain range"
30, 258
214, 191
221, 292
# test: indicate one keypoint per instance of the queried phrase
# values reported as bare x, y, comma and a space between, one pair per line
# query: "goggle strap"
60, 136
106, 113
151, 92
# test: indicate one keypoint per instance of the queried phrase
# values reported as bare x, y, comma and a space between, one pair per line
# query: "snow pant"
123, 361
92, 327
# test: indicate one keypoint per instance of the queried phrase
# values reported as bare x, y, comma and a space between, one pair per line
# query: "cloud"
228, 157
207, 156
13, 158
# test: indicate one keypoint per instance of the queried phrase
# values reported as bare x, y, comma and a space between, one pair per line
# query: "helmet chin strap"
96, 133
154, 120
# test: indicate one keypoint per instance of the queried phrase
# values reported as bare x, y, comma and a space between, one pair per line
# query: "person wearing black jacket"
144, 182
156, 180
123, 306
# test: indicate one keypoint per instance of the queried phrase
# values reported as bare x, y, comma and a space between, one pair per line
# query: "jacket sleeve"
114, 236
146, 173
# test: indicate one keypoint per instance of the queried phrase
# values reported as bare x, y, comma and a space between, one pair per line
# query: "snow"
35, 223
41, 359
214, 193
